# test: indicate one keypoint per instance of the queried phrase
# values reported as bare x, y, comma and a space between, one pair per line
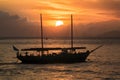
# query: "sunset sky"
91, 17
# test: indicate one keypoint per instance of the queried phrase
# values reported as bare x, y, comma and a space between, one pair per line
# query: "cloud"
97, 4
107, 7
15, 26
112, 7
98, 28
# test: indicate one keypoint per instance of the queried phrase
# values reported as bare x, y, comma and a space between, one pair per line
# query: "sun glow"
59, 23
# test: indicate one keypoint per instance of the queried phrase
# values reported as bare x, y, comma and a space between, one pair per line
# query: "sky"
92, 18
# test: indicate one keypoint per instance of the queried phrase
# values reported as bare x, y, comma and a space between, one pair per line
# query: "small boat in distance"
42, 55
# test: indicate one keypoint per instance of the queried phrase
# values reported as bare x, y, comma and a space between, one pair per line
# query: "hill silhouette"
112, 34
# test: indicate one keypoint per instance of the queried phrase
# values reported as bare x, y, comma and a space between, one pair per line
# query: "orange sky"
84, 11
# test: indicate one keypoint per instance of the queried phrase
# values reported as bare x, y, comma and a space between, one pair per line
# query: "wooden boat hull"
61, 58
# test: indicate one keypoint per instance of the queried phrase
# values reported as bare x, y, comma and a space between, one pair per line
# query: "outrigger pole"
96, 48
41, 32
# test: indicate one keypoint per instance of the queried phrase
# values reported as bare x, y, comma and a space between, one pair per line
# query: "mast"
41, 32
71, 31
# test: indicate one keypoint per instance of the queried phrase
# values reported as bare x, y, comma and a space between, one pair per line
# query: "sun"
59, 23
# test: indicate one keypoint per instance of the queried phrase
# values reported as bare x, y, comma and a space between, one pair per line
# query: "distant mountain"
111, 34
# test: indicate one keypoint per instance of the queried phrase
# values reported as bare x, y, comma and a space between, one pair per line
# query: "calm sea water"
103, 64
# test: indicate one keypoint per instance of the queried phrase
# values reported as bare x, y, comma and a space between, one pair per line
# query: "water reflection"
56, 71
103, 64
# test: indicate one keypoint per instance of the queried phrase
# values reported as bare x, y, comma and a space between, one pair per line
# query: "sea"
103, 64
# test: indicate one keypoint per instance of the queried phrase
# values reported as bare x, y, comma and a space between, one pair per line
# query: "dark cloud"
110, 4
15, 26
99, 28
107, 7
111, 7
98, 4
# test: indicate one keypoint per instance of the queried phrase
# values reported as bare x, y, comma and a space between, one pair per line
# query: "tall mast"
41, 32
71, 31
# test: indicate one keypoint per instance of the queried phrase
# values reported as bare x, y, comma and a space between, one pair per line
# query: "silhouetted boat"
42, 55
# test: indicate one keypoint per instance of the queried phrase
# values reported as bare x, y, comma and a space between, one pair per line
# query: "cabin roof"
47, 49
